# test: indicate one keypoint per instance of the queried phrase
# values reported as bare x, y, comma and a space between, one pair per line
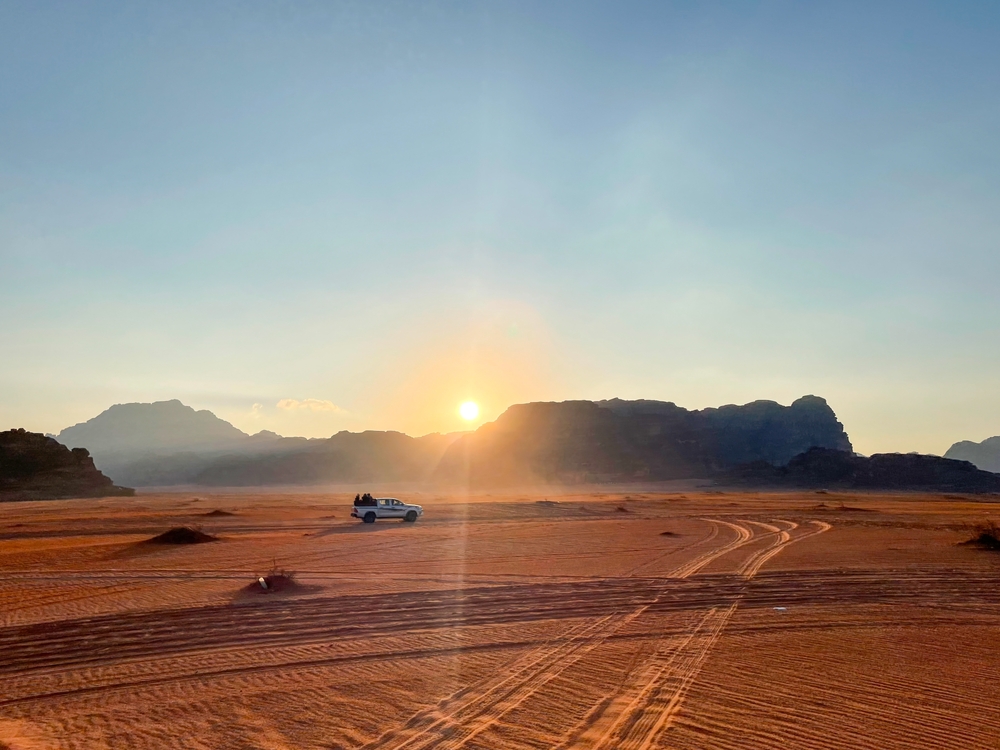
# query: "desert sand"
583, 619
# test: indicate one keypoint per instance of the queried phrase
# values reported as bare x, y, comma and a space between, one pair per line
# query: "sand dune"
501, 622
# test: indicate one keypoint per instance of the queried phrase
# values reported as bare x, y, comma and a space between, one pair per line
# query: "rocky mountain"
159, 428
985, 455
613, 441
165, 442
825, 468
36, 467
168, 444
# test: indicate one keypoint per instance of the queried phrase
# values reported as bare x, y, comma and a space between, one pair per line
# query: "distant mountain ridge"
985, 455
762, 443
167, 443
825, 468
159, 427
616, 440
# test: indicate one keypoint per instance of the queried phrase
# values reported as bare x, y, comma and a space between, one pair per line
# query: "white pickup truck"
386, 507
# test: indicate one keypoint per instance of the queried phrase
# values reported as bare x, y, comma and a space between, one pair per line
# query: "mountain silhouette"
616, 440
167, 443
357, 457
160, 427
985, 455
822, 467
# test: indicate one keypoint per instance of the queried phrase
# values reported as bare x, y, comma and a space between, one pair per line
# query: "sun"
469, 410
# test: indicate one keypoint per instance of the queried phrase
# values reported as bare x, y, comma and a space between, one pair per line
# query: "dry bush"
277, 579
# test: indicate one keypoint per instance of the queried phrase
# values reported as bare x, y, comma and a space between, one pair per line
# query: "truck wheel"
411, 516
369, 517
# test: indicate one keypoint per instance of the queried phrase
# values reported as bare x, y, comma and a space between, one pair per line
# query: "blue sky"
392, 208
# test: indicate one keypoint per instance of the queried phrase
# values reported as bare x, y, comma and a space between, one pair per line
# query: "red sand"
498, 621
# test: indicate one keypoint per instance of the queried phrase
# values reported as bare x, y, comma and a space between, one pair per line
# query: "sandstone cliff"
36, 467
614, 441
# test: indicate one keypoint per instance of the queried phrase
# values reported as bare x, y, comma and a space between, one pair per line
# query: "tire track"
484, 706
713, 533
647, 723
600, 727
464, 722
751, 569
658, 694
743, 537
457, 728
72, 644
55, 648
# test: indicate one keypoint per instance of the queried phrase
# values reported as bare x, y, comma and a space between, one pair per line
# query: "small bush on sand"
985, 534
277, 579
182, 535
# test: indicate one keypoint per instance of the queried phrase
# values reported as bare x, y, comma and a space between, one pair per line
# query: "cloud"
310, 404
255, 410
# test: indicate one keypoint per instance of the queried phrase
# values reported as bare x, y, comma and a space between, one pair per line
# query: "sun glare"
469, 410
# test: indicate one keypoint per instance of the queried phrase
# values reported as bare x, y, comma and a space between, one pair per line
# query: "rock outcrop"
36, 467
825, 468
615, 441
985, 455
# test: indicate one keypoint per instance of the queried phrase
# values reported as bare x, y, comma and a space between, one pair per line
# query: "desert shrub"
277, 579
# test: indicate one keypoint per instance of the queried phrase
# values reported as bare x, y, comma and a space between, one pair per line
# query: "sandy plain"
574, 619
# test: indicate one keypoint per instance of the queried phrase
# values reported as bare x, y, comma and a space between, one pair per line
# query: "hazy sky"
370, 212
